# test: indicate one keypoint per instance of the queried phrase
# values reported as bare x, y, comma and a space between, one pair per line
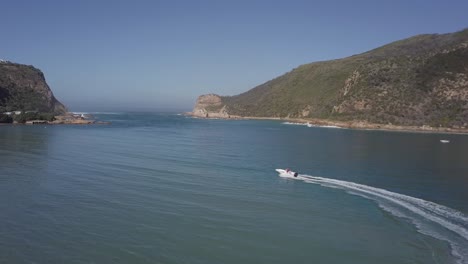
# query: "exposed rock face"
210, 106
306, 111
24, 88
350, 82
422, 80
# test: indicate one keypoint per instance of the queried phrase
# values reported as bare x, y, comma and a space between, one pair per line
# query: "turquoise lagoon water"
163, 188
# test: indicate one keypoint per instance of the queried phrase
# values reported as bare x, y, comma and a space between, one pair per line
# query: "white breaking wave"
309, 125
293, 123
330, 126
96, 113
431, 219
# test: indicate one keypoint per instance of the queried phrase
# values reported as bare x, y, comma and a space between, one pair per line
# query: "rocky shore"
75, 119
63, 119
358, 125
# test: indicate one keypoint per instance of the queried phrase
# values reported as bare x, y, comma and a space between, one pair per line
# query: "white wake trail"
447, 218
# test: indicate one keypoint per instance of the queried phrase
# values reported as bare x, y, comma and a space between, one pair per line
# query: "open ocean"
165, 188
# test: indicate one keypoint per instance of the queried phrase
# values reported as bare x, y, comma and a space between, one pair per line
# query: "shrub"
5, 118
22, 118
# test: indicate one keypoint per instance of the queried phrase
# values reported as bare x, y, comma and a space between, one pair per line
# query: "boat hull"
284, 173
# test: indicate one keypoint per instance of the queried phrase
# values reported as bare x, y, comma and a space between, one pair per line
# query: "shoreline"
53, 123
355, 125
64, 119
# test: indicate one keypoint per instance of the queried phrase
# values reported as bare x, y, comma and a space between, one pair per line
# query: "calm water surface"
163, 188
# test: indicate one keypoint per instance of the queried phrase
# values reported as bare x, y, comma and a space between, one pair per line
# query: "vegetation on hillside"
23, 88
26, 116
25, 99
6, 118
422, 80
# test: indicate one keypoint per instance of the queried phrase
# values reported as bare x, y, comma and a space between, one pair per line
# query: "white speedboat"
287, 173
445, 141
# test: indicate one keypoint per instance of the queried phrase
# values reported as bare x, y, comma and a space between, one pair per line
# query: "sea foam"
432, 219
309, 125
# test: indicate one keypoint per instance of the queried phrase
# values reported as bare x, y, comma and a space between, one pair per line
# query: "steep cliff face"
421, 80
24, 87
211, 106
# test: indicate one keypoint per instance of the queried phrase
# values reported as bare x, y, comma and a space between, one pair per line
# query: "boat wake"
430, 218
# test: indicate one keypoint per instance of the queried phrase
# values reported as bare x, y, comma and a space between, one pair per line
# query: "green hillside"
422, 80
24, 88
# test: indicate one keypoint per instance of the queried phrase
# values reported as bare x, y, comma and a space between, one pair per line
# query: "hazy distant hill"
23, 87
422, 80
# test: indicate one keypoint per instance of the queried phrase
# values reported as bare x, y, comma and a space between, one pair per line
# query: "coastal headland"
414, 84
26, 98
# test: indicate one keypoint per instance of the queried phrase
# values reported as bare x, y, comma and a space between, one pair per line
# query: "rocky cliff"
210, 106
23, 87
422, 80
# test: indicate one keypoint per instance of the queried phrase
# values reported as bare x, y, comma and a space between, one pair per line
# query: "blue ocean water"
165, 188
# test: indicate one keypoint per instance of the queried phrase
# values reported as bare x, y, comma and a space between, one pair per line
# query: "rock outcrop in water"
419, 81
24, 88
210, 106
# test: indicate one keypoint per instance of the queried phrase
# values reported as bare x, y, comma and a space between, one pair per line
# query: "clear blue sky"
153, 55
